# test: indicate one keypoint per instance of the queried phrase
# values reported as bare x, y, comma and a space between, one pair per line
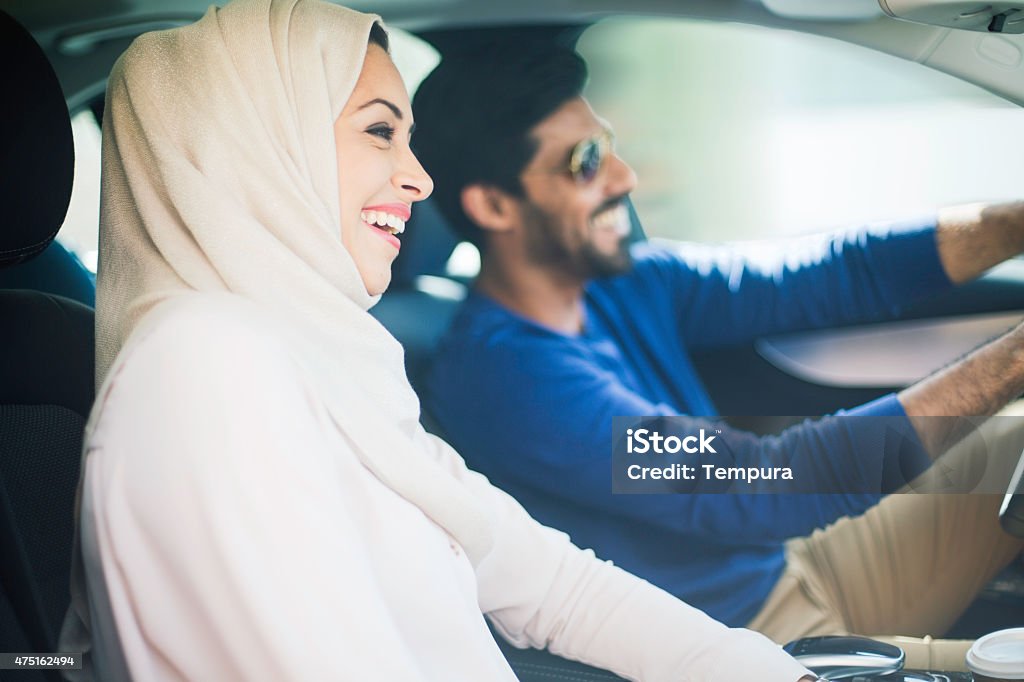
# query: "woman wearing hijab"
259, 501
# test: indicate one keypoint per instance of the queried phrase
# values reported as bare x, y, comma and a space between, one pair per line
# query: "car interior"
46, 386
56, 58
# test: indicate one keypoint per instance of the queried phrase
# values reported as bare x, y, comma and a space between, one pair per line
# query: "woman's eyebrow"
377, 100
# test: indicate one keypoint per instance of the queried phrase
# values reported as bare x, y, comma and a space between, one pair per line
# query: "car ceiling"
46, 15
84, 37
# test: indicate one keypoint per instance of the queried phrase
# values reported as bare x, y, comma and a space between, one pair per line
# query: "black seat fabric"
46, 358
37, 492
46, 351
46, 389
15, 642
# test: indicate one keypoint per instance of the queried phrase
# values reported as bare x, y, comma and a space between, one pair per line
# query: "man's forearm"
974, 237
980, 384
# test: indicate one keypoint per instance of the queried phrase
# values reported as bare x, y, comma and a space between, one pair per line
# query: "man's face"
578, 225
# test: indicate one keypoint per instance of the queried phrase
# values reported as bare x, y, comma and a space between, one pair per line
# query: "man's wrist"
972, 238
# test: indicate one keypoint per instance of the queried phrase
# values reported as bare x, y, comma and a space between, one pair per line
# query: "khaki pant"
907, 567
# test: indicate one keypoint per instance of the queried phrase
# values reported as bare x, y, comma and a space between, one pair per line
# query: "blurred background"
745, 133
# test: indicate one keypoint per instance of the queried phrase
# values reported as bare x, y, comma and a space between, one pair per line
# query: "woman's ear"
489, 207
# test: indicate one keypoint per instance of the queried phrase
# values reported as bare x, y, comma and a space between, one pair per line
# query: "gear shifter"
846, 657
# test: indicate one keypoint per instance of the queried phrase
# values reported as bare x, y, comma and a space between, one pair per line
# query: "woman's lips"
401, 210
385, 235
387, 221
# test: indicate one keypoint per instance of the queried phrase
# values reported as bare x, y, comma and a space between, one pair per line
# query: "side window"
414, 58
740, 132
79, 233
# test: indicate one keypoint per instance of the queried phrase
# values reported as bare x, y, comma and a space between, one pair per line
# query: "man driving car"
568, 326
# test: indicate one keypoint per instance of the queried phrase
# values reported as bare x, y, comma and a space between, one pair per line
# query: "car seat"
46, 358
54, 270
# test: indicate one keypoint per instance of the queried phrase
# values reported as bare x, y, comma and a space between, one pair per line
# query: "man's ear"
489, 207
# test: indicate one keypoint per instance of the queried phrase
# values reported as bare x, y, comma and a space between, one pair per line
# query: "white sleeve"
541, 591
220, 506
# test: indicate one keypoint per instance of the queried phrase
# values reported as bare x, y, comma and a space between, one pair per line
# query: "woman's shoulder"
225, 328
201, 344
197, 366
203, 314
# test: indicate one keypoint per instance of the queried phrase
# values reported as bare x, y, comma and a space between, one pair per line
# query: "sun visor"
990, 17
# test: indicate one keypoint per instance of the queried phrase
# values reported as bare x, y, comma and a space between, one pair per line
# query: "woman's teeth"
615, 218
385, 221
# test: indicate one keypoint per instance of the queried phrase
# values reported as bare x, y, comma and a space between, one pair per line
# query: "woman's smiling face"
379, 178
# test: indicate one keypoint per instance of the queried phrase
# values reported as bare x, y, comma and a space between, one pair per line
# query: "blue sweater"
531, 408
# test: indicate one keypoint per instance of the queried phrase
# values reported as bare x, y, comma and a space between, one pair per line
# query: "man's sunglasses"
588, 156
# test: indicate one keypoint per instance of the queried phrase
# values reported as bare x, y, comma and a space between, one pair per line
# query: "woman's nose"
412, 180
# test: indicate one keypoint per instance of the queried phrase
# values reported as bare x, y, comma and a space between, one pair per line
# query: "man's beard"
545, 246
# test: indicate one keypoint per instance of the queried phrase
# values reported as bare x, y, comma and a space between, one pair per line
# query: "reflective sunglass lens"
590, 161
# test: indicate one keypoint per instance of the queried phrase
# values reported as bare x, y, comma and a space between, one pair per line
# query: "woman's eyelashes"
383, 131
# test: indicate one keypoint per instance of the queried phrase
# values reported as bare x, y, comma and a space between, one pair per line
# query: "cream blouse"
229, 533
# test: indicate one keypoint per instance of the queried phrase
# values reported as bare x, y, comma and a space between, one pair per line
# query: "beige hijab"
220, 175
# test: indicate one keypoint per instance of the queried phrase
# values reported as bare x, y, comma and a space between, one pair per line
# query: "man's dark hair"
474, 113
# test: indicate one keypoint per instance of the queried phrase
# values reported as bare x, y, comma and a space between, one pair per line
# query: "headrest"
37, 153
